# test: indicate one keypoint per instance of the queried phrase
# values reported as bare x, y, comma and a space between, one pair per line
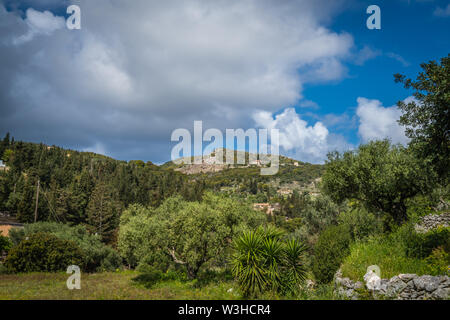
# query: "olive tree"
426, 118
187, 234
382, 176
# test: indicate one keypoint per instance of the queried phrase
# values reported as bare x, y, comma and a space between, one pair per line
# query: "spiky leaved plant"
264, 261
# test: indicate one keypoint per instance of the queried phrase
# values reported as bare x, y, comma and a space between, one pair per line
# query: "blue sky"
409, 29
138, 70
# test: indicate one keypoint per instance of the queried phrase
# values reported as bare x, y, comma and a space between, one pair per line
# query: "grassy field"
106, 286
120, 286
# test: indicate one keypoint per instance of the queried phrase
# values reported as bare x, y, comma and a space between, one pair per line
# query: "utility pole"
37, 201
37, 189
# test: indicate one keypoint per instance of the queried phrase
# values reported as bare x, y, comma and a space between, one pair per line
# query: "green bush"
361, 223
438, 262
332, 247
420, 245
96, 255
403, 251
5, 244
152, 276
383, 251
43, 252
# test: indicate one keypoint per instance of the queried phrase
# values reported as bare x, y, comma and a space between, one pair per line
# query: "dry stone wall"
433, 221
401, 287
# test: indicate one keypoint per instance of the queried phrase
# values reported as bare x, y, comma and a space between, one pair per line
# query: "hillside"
67, 182
292, 174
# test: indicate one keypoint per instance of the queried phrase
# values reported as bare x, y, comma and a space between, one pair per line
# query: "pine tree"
102, 212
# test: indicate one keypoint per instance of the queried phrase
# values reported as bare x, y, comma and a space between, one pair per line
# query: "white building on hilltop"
2, 165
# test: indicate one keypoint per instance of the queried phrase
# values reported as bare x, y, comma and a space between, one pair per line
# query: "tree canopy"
380, 175
427, 118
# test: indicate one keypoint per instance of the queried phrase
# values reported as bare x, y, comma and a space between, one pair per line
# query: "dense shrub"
96, 255
361, 223
151, 276
384, 252
43, 252
438, 261
263, 261
315, 215
420, 245
403, 251
5, 244
332, 247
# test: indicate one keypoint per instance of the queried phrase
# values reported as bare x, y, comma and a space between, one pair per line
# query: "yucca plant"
294, 270
264, 261
247, 262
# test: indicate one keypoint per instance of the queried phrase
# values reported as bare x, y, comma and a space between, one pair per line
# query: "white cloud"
399, 58
305, 142
378, 122
442, 12
365, 54
40, 23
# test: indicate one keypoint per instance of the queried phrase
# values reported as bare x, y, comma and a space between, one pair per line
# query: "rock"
432, 284
310, 284
359, 285
445, 282
407, 276
441, 294
346, 282
432, 221
401, 287
373, 281
395, 286
420, 282
383, 285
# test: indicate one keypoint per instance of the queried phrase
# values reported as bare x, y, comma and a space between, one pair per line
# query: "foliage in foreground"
263, 261
43, 252
5, 244
382, 176
188, 235
426, 117
331, 249
96, 255
403, 251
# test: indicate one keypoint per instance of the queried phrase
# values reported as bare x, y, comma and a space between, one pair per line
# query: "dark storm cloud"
136, 71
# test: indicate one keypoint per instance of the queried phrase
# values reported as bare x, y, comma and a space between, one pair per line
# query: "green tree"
193, 235
4, 144
103, 212
378, 174
427, 119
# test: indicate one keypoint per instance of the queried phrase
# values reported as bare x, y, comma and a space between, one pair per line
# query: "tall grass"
384, 252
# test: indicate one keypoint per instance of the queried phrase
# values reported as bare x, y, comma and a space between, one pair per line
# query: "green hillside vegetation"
157, 233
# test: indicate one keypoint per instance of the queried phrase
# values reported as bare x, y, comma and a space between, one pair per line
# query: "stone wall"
401, 287
432, 221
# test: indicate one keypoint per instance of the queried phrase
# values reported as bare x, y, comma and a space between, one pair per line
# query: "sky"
137, 70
